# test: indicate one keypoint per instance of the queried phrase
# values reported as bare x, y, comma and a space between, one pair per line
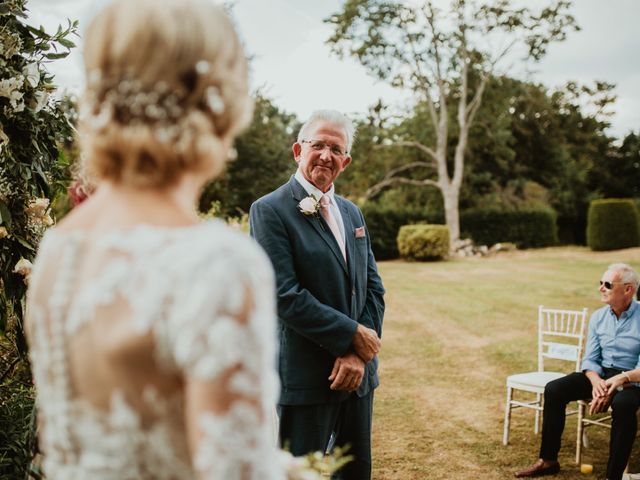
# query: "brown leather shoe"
540, 468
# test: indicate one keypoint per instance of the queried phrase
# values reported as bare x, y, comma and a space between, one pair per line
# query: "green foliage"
384, 222
32, 126
617, 175
584, 145
528, 149
264, 161
239, 222
525, 228
16, 424
547, 140
370, 158
423, 242
612, 224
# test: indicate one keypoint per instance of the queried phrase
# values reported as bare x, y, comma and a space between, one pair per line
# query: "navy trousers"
576, 386
308, 428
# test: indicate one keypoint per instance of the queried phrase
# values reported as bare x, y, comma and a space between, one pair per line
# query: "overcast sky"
293, 66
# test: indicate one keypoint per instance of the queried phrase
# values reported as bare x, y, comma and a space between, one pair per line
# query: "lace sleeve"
223, 342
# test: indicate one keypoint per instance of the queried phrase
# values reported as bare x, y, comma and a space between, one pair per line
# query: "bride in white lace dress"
152, 334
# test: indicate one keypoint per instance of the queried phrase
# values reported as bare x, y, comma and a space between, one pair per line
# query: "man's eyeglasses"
609, 285
319, 146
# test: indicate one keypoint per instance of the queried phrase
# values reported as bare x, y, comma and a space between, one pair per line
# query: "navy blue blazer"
321, 298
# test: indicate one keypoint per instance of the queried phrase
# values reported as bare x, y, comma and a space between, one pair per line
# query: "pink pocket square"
359, 232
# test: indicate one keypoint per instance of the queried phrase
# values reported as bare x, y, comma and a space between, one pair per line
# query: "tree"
32, 125
531, 147
617, 174
582, 112
443, 57
501, 167
368, 158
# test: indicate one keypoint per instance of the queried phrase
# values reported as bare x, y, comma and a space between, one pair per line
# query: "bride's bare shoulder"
83, 217
112, 210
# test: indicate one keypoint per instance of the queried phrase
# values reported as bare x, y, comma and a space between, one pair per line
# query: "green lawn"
453, 332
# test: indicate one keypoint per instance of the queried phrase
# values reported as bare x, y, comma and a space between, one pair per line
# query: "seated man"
613, 348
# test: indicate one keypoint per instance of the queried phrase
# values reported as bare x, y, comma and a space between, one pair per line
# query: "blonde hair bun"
167, 91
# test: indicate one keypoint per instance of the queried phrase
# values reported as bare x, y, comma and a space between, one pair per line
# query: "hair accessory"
214, 100
203, 67
130, 101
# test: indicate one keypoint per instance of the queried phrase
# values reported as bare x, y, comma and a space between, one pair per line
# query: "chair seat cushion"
532, 381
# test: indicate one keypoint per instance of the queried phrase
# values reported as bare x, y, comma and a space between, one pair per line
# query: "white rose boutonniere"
309, 205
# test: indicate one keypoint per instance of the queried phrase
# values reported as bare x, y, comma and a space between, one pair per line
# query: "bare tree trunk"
450, 195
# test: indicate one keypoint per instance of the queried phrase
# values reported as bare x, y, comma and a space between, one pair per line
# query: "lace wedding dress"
153, 352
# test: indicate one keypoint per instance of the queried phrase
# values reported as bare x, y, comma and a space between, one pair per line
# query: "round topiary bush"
613, 223
423, 242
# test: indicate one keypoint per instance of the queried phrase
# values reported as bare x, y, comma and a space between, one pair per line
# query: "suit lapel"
317, 222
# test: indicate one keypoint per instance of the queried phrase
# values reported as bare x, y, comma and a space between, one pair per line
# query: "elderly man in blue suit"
330, 298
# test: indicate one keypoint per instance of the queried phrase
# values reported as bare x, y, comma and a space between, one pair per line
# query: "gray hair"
334, 118
626, 273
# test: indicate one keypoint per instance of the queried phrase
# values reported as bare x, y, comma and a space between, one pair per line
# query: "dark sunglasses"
609, 285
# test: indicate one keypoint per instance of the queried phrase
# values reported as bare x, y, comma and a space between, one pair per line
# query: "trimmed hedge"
613, 223
525, 228
423, 242
384, 222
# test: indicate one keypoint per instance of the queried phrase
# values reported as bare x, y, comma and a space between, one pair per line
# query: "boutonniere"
309, 205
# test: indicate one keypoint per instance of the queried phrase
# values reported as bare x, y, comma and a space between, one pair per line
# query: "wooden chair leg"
507, 416
536, 427
579, 433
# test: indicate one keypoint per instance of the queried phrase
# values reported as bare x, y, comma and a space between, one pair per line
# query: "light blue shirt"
613, 342
311, 189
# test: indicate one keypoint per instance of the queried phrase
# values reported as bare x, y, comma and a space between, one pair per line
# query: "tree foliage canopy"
444, 58
530, 147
